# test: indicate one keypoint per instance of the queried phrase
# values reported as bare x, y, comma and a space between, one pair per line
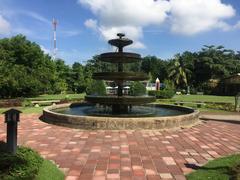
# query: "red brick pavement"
138, 155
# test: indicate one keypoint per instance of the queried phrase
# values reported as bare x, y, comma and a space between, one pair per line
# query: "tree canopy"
26, 71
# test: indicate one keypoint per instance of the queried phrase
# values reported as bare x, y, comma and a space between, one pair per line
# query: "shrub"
11, 102
162, 94
27, 103
220, 106
167, 93
24, 165
96, 88
137, 89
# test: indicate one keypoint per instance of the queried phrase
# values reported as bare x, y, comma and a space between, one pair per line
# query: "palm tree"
178, 72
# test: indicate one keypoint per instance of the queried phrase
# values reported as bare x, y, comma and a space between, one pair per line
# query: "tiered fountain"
120, 104
120, 111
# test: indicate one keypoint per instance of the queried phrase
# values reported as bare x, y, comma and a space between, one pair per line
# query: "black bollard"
12, 119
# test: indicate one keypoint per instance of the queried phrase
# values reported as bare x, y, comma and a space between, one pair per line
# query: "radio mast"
54, 23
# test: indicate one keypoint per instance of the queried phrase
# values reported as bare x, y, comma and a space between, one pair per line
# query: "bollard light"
12, 117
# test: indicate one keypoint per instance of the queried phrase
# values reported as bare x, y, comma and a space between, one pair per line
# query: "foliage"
25, 71
178, 72
162, 94
219, 169
221, 106
96, 88
24, 165
137, 89
155, 66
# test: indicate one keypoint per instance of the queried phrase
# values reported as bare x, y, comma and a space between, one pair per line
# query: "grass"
49, 171
26, 110
204, 98
220, 169
38, 110
202, 109
186, 98
57, 96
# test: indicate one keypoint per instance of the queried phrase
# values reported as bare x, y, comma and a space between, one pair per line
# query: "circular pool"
86, 116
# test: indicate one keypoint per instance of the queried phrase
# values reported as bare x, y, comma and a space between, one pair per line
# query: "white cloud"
36, 16
190, 17
68, 33
91, 23
186, 17
129, 17
237, 25
45, 50
4, 26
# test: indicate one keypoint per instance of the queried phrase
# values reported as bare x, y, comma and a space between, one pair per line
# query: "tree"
78, 81
96, 88
155, 66
137, 89
178, 72
25, 69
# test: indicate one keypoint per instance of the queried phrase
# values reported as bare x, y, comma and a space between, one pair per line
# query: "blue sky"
162, 28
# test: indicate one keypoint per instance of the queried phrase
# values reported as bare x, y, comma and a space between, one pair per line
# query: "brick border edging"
121, 123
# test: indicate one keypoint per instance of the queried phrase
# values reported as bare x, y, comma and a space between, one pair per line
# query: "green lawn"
186, 98
204, 98
57, 96
220, 169
26, 110
49, 171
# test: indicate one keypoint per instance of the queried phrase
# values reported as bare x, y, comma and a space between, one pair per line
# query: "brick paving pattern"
137, 155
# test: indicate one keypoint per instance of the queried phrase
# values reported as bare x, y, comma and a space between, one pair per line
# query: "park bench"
49, 102
198, 104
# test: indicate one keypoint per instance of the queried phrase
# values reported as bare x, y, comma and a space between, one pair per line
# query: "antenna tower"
54, 23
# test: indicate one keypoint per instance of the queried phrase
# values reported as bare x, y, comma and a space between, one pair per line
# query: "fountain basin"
187, 118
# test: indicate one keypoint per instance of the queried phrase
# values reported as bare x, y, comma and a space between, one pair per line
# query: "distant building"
231, 85
152, 86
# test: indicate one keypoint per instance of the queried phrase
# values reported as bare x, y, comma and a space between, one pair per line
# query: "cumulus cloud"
237, 25
4, 26
190, 17
91, 23
186, 17
45, 50
129, 17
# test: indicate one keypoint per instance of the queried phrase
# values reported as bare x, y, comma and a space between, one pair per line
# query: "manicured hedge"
162, 94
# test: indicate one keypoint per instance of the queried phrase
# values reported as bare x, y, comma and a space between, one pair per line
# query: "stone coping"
120, 123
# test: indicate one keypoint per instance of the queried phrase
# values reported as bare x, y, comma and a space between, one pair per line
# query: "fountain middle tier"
121, 76
126, 100
120, 57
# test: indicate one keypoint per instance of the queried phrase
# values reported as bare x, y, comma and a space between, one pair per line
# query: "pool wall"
117, 123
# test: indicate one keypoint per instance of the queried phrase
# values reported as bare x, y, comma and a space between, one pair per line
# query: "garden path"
127, 154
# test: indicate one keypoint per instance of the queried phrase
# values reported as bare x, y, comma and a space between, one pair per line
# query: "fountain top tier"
121, 41
120, 56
